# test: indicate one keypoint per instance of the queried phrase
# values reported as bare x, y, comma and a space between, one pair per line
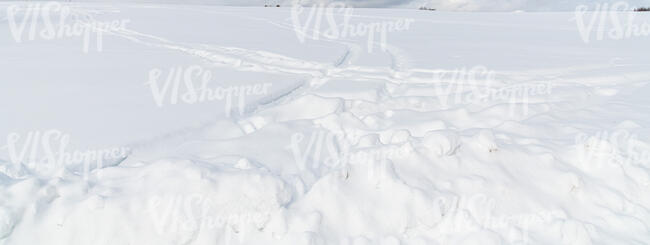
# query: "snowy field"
193, 124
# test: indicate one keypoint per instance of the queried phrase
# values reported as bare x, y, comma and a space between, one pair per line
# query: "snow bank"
529, 137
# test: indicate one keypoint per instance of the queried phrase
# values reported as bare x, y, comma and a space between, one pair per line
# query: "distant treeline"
642, 9
425, 8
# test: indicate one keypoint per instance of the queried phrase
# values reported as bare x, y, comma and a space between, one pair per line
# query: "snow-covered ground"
193, 124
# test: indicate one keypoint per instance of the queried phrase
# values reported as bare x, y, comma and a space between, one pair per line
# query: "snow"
196, 124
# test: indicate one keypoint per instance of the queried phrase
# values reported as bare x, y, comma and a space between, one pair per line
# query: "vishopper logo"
326, 149
191, 213
339, 17
612, 148
72, 22
46, 153
478, 85
614, 21
471, 213
190, 85
458, 81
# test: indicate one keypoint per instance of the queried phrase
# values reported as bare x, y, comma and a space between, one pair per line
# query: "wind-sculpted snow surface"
222, 125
